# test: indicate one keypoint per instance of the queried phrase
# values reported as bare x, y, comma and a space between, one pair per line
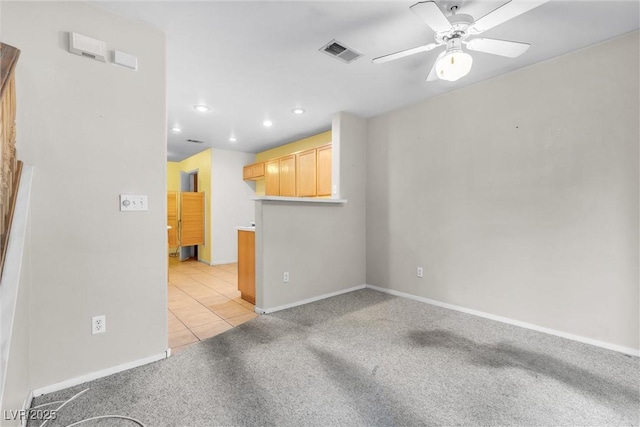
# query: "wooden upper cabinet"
302, 174
288, 176
324, 166
253, 172
272, 178
306, 173
247, 172
258, 170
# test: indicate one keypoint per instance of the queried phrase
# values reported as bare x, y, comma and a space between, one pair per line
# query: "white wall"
92, 131
321, 246
518, 195
231, 204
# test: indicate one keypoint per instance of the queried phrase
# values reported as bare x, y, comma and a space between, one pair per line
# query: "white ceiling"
251, 61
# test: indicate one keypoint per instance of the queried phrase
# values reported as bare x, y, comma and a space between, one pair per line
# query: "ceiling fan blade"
403, 53
432, 15
432, 74
504, 13
498, 47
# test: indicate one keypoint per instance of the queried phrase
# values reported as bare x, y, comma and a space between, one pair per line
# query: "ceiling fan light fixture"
455, 64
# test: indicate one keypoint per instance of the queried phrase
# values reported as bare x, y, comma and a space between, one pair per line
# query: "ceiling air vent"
338, 50
195, 141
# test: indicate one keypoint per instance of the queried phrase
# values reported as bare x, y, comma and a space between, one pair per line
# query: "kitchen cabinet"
247, 172
272, 178
306, 173
288, 176
253, 172
247, 265
324, 166
301, 174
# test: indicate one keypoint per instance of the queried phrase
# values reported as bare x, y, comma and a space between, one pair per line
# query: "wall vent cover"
195, 141
338, 50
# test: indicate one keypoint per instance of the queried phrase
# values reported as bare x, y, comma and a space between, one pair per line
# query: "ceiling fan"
455, 30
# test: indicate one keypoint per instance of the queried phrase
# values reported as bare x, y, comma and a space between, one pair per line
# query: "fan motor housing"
451, 6
460, 24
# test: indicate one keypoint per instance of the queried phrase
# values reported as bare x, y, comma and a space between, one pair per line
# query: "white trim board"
10, 282
308, 300
299, 200
25, 408
99, 374
214, 263
579, 338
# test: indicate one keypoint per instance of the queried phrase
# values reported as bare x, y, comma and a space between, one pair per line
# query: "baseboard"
212, 263
308, 300
98, 374
579, 338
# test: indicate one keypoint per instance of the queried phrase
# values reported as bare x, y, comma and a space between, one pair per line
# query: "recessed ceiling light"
267, 123
298, 111
232, 139
202, 108
176, 129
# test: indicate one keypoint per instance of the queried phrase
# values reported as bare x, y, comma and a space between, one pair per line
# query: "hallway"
204, 301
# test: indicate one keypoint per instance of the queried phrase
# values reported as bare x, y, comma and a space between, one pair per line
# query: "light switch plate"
124, 59
130, 202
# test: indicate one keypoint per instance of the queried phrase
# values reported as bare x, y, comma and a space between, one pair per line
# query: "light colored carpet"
367, 358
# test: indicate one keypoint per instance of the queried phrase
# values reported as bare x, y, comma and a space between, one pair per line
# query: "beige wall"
518, 195
321, 246
231, 202
92, 131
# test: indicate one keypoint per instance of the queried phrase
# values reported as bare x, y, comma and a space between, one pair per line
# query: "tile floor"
204, 301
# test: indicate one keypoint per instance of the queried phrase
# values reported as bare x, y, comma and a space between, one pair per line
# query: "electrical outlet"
419, 272
98, 325
286, 277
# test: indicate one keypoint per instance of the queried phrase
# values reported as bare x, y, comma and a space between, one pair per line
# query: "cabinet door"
192, 219
247, 172
253, 172
272, 178
288, 176
246, 265
306, 173
172, 218
257, 170
324, 171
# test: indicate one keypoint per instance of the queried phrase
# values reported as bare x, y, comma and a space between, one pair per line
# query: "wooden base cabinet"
247, 265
